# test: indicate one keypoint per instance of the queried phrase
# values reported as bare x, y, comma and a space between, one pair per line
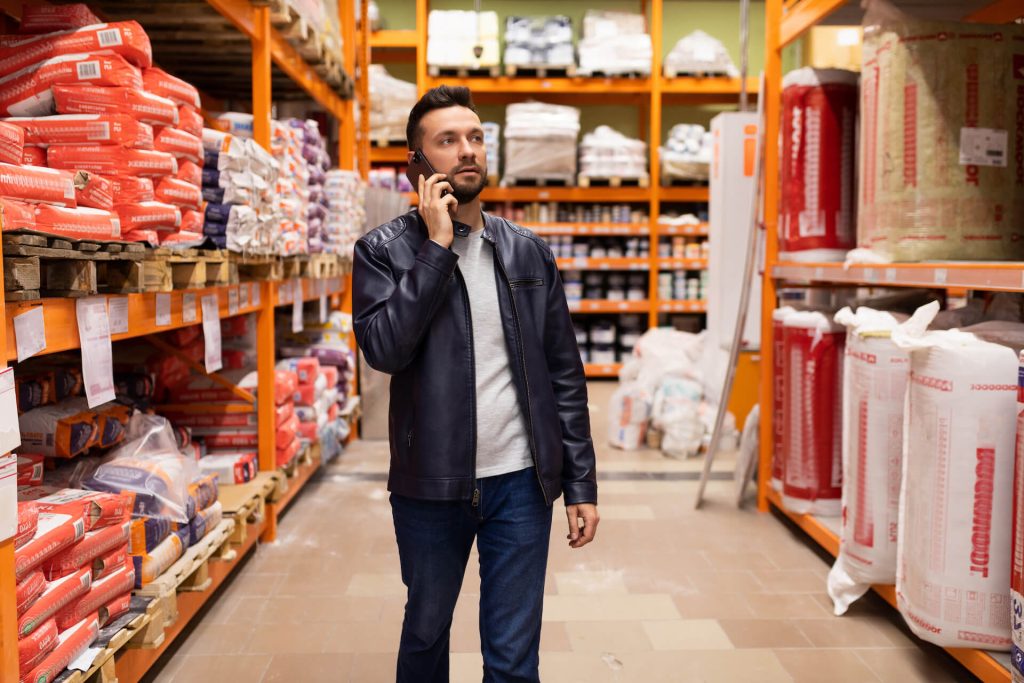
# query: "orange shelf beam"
589, 229
602, 370
393, 40
540, 86
699, 230
584, 263
682, 306
711, 90
684, 194
802, 16
999, 12
606, 306
682, 264
998, 277
568, 194
389, 155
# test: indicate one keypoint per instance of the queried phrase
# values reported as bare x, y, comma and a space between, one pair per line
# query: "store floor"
666, 593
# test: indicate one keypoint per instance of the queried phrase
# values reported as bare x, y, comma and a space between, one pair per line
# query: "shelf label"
232, 301
211, 333
30, 335
819, 273
117, 311
10, 434
163, 310
890, 275
97, 355
9, 480
983, 147
869, 275
940, 276
243, 296
574, 305
255, 294
323, 309
297, 314
188, 307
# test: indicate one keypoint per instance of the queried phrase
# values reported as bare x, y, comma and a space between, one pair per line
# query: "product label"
983, 147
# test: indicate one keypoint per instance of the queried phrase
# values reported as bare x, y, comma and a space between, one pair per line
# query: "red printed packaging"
97, 508
184, 146
35, 184
149, 216
50, 18
230, 468
30, 469
28, 92
102, 592
112, 160
107, 129
93, 191
180, 193
192, 222
58, 594
107, 564
124, 38
28, 522
132, 189
190, 172
80, 223
33, 648
190, 120
162, 83
139, 104
33, 156
81, 554
308, 431
115, 608
287, 454
28, 590
70, 645
17, 215
12, 143
54, 534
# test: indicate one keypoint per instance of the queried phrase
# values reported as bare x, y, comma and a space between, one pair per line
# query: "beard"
466, 191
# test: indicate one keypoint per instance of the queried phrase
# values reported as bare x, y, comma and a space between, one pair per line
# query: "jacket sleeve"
579, 468
391, 315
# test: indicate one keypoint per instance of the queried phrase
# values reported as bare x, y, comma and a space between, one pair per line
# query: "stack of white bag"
540, 141
875, 374
346, 213
452, 36
391, 99
686, 154
318, 161
614, 43
699, 53
607, 153
292, 188
539, 41
954, 538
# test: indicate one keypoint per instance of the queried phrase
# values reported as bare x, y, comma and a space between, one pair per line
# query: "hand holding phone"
437, 204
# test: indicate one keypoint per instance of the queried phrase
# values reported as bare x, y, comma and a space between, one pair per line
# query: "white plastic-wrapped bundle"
614, 43
875, 375
941, 150
540, 141
607, 153
686, 154
346, 216
539, 41
954, 536
391, 99
699, 53
492, 143
452, 36
1017, 570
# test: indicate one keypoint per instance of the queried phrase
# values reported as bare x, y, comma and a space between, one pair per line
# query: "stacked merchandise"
563, 212
686, 155
607, 153
322, 237
462, 39
596, 285
492, 143
540, 142
292, 185
345, 193
699, 54
539, 42
604, 342
566, 246
614, 43
940, 179
391, 100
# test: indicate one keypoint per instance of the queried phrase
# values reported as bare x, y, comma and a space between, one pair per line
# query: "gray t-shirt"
501, 442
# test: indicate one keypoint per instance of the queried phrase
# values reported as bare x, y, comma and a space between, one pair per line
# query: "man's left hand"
579, 535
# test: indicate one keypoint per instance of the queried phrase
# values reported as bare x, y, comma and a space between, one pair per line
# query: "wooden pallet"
599, 73
116, 635
246, 503
464, 71
613, 181
540, 71
151, 634
322, 266
293, 266
38, 265
169, 269
560, 180
252, 267
672, 73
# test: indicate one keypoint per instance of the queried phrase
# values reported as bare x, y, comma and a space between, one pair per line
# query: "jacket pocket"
522, 283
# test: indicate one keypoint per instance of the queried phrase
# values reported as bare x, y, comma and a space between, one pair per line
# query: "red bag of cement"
180, 193
93, 191
222, 421
182, 238
287, 454
287, 431
81, 223
70, 646
332, 374
107, 129
332, 412
115, 608
81, 554
190, 172
33, 648
54, 534
130, 189
58, 594
97, 508
32, 156
51, 18
238, 359
30, 469
28, 92
111, 160
150, 237
17, 215
230, 468
35, 184
106, 564
12, 143
139, 104
184, 146
28, 590
307, 394
161, 83
28, 521
102, 592
238, 326
192, 222
190, 120
150, 565
308, 431
149, 216
306, 369
124, 38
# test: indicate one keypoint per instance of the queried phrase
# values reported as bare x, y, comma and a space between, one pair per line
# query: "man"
488, 420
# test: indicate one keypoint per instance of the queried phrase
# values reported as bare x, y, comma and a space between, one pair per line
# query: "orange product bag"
184, 146
159, 82
93, 191
149, 216
115, 608
182, 238
108, 563
54, 534
112, 160
150, 237
28, 590
70, 646
28, 521
124, 38
35, 184
287, 454
30, 469
33, 156
190, 172
33, 648
58, 594
17, 215
286, 432
50, 18
28, 92
139, 104
93, 545
192, 221
12, 143
102, 592
97, 508
129, 189
109, 129
80, 223
190, 120
180, 193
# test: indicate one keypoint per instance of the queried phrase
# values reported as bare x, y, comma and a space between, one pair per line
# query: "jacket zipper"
472, 373
522, 364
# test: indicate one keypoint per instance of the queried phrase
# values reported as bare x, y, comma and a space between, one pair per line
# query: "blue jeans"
512, 528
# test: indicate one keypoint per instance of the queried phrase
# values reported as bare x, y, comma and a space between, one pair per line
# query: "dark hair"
441, 97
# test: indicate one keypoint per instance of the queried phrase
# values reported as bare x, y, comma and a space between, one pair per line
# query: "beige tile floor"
666, 593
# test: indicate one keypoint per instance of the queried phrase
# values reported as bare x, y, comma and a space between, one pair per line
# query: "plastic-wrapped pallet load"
539, 42
699, 54
391, 100
607, 153
614, 43
875, 377
345, 192
540, 142
812, 412
819, 129
941, 157
453, 35
954, 537
686, 154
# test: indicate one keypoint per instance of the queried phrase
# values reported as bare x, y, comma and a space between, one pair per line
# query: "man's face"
453, 141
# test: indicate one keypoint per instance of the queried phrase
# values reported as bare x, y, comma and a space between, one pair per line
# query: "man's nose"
466, 150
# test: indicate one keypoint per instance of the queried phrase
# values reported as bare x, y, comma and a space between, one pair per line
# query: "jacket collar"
491, 225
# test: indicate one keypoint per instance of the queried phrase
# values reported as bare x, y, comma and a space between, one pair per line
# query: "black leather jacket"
412, 320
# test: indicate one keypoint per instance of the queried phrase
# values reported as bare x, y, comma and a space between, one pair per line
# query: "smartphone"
419, 166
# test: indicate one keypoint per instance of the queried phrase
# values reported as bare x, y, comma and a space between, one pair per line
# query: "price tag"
940, 276
580, 262
117, 310
983, 147
233, 301
97, 356
243, 296
163, 310
30, 335
297, 314
9, 487
574, 305
211, 333
869, 274
188, 307
890, 275
255, 294
323, 308
819, 273
10, 434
